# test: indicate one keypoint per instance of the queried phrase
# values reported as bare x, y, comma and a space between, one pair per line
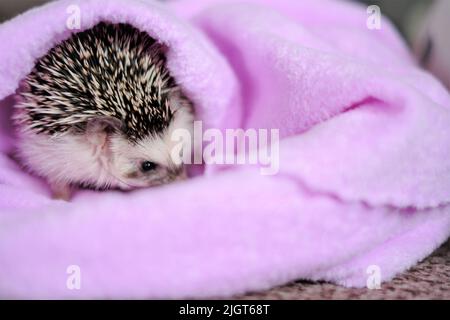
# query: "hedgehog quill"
98, 111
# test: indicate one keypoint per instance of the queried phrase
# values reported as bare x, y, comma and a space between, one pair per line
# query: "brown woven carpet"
430, 279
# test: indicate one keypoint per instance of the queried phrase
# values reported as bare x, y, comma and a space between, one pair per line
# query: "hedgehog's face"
145, 163
149, 161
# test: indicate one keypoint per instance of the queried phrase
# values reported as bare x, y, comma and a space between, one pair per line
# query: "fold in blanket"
363, 181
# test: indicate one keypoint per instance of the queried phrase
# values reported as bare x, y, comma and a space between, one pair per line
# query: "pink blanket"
363, 181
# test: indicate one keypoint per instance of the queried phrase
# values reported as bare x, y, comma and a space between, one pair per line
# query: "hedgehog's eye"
147, 166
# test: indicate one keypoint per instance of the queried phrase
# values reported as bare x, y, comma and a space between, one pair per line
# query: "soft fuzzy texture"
364, 159
429, 279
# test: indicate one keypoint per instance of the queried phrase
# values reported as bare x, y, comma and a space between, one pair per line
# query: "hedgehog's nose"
182, 175
178, 173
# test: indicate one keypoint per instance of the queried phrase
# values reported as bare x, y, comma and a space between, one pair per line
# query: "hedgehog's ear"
98, 128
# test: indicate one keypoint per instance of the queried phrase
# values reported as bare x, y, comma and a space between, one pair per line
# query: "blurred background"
423, 23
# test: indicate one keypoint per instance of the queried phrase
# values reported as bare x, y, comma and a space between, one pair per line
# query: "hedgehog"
98, 111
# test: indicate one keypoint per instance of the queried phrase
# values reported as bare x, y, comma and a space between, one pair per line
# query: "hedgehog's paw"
60, 191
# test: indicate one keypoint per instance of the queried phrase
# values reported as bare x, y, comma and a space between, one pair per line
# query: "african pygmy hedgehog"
98, 111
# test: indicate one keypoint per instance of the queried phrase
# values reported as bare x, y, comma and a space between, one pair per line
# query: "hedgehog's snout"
171, 175
138, 178
146, 162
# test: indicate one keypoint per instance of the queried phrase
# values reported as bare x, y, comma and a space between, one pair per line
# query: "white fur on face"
128, 157
66, 159
103, 162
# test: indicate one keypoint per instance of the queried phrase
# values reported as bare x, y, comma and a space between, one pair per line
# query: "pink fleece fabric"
364, 173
